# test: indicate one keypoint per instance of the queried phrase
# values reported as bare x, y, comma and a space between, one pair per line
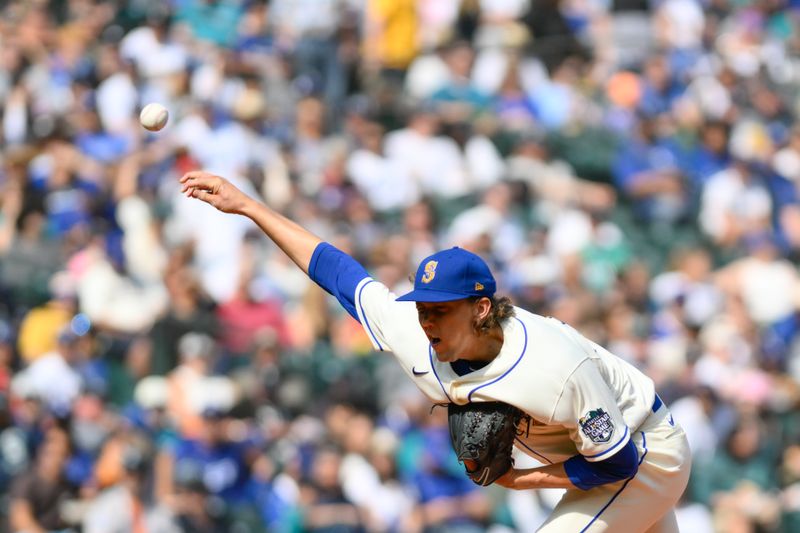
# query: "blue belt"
657, 403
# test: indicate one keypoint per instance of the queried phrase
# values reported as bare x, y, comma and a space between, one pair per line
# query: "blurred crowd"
631, 167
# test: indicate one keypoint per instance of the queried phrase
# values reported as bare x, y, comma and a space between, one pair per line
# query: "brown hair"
502, 309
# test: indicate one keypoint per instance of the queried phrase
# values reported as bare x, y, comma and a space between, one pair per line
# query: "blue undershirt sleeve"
586, 474
337, 273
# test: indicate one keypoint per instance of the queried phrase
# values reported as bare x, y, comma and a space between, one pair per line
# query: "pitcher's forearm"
296, 242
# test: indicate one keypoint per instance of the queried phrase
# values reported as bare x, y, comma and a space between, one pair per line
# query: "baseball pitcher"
592, 419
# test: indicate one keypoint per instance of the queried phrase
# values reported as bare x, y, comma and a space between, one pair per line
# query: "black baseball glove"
482, 435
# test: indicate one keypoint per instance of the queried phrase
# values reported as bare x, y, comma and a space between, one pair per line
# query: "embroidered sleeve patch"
597, 425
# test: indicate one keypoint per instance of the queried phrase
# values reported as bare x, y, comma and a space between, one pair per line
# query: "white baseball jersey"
580, 398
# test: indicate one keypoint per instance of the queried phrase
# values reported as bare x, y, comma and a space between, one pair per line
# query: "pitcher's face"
450, 329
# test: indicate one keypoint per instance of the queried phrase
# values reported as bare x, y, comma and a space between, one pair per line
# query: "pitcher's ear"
482, 308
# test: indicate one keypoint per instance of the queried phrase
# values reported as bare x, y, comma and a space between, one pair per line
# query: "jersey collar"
462, 389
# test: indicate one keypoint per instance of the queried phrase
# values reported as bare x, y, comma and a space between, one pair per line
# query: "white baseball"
153, 117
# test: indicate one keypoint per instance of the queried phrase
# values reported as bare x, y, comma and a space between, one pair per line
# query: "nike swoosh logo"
418, 372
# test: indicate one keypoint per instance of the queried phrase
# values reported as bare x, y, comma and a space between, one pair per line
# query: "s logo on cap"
449, 275
430, 271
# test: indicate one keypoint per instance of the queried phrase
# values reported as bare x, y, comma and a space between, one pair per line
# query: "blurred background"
628, 166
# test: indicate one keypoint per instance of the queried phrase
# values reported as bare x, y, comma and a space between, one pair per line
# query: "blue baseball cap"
449, 275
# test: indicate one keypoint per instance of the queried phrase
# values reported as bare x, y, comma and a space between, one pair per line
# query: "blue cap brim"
431, 296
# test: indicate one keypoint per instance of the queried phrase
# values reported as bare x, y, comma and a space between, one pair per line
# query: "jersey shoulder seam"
564, 386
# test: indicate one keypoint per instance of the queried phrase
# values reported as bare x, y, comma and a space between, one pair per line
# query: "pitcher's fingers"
207, 182
191, 185
202, 195
188, 175
193, 174
186, 187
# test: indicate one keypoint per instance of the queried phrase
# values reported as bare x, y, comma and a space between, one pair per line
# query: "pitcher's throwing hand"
215, 191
